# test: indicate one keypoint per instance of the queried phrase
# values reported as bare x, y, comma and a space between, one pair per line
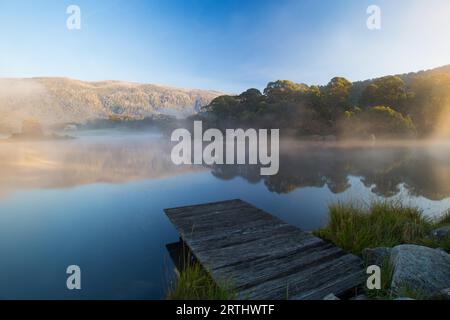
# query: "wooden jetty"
262, 256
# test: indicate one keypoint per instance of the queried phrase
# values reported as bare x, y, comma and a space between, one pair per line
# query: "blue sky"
227, 45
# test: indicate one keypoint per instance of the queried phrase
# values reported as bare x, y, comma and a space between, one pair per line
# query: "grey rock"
331, 296
441, 233
420, 269
404, 298
376, 256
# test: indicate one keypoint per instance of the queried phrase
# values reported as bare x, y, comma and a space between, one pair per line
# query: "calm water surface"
97, 202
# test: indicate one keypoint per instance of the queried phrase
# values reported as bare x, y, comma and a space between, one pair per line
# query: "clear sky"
227, 45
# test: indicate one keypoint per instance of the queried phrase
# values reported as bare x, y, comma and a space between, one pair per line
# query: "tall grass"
444, 220
355, 227
194, 283
385, 292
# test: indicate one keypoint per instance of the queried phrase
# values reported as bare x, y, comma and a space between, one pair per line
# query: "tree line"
408, 105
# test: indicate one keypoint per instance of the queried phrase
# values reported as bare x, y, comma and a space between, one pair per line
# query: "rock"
331, 296
404, 298
376, 256
420, 269
441, 233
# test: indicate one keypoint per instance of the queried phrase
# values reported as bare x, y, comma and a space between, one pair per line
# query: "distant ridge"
62, 100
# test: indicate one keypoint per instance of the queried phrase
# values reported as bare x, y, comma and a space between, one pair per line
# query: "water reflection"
88, 160
97, 201
422, 170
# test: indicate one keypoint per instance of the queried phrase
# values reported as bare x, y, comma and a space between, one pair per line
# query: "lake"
97, 201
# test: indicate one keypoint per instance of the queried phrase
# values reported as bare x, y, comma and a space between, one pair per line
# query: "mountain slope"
61, 100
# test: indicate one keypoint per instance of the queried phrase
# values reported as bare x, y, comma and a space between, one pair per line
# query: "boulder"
420, 269
376, 256
441, 233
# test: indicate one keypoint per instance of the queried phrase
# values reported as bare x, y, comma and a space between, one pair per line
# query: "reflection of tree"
383, 169
426, 176
383, 173
84, 161
306, 168
250, 173
422, 171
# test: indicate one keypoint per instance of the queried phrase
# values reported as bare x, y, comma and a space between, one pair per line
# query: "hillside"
60, 100
404, 106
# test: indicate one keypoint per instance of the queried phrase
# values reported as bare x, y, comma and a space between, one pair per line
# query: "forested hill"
407, 105
52, 101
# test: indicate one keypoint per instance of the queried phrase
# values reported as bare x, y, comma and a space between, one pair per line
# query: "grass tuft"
444, 220
194, 283
385, 293
355, 227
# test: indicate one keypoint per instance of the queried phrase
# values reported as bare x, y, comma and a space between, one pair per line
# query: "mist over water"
17, 97
102, 195
104, 158
118, 158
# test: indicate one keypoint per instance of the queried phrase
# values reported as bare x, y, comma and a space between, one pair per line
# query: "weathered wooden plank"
270, 247
252, 232
270, 269
222, 221
338, 285
296, 285
228, 228
206, 208
262, 256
